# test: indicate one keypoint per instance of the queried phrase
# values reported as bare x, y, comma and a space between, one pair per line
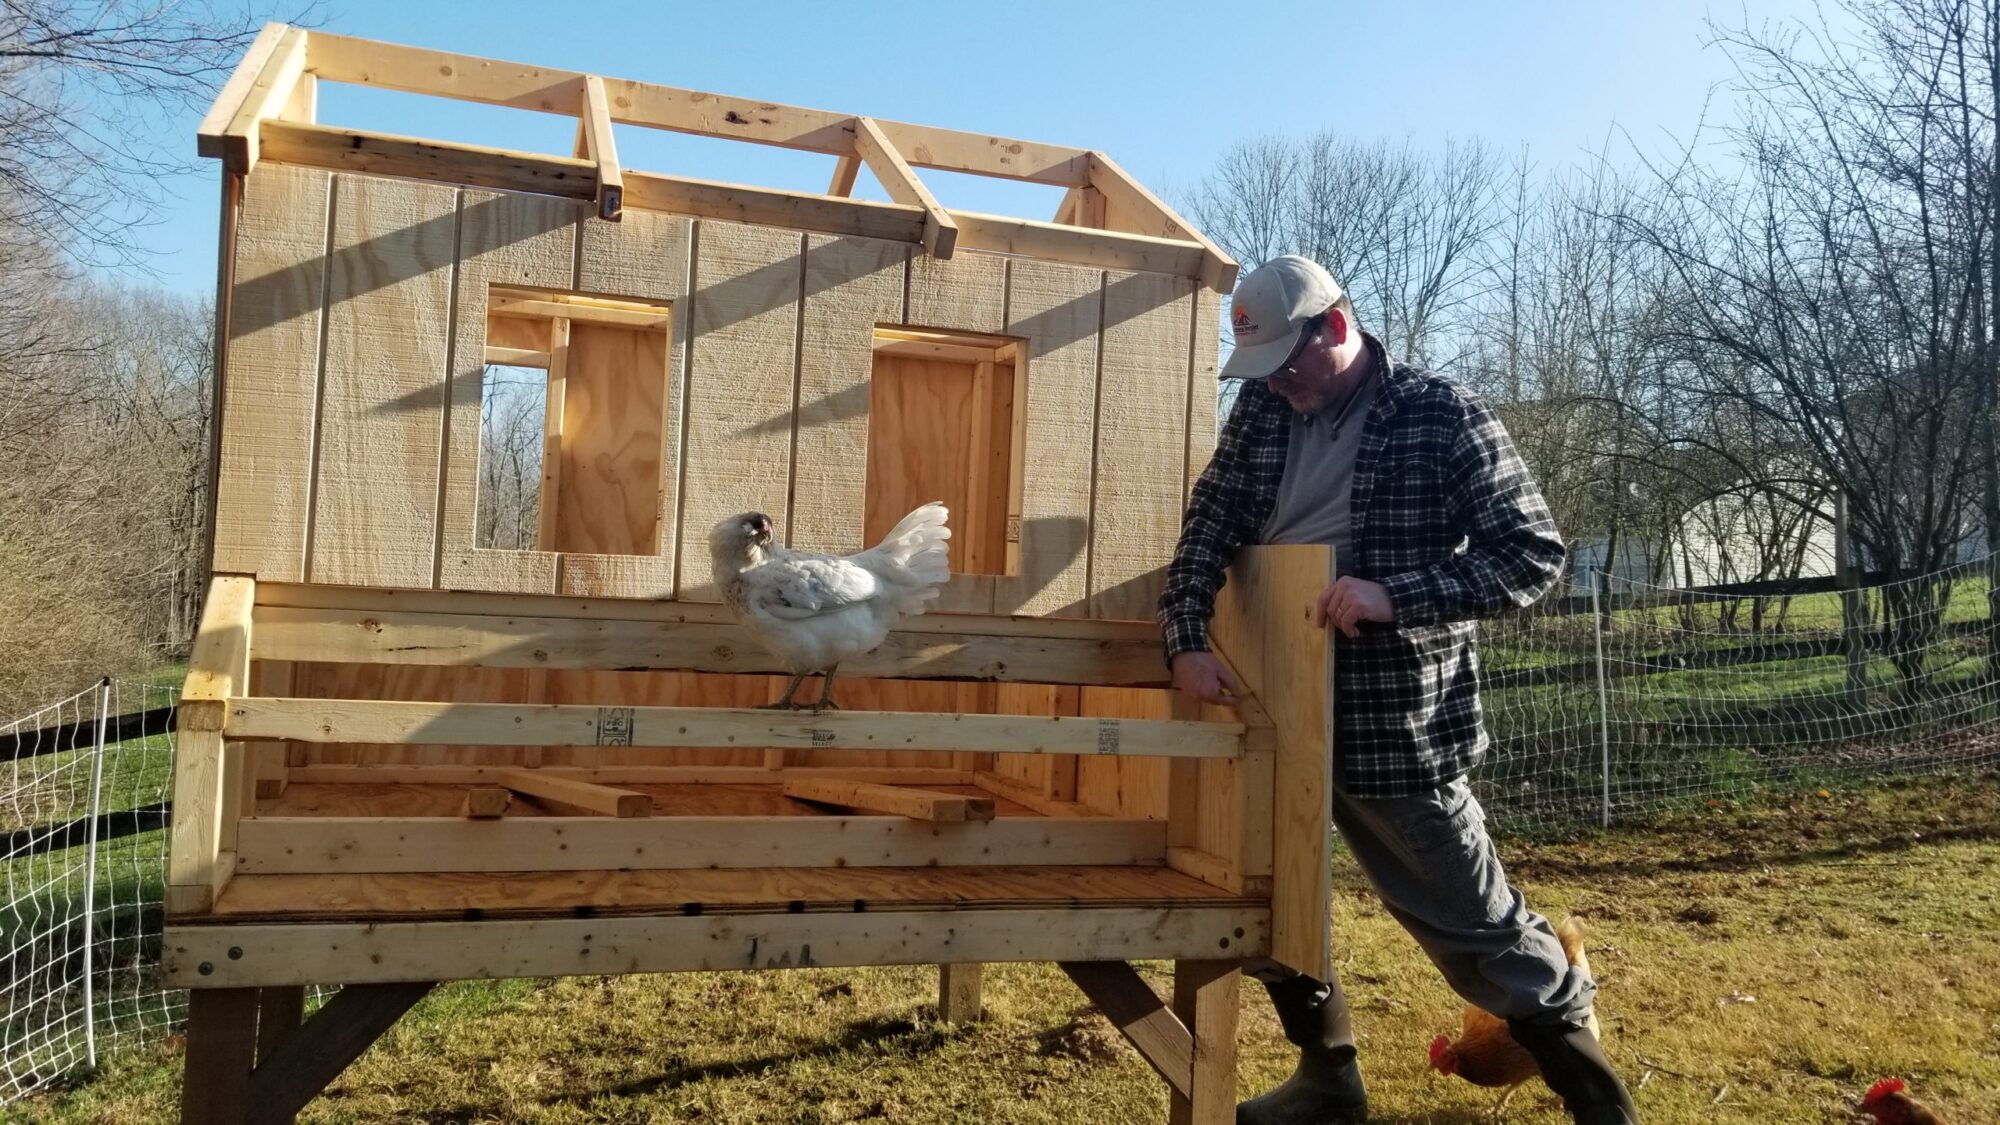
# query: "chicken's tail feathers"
1570, 933
918, 545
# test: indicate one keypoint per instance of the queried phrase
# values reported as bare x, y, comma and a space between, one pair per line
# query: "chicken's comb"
1883, 1089
1440, 1047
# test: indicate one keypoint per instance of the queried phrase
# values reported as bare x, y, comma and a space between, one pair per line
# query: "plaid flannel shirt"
1446, 518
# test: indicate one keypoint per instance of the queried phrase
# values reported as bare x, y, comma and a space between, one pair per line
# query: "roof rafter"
903, 186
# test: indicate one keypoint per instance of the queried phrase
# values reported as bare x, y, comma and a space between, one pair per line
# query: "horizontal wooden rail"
1114, 658
214, 956
510, 724
316, 844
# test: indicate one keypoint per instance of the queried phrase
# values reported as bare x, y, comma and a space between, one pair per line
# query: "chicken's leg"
784, 702
826, 702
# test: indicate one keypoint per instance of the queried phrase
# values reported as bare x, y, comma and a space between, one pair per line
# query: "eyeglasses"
1307, 339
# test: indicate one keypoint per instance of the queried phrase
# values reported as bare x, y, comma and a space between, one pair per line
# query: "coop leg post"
958, 992
221, 1049
315, 1053
1205, 994
279, 1013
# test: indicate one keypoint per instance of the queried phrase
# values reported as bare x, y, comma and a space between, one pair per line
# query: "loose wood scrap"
917, 804
484, 802
577, 798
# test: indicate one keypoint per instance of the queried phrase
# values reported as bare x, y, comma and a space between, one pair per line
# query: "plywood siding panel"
503, 239
1142, 431
613, 433
263, 489
1124, 786
388, 332
1203, 384
1057, 309
851, 285
646, 255
964, 293
740, 386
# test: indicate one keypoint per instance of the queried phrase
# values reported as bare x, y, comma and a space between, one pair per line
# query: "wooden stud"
1146, 214
387, 154
316, 1053
603, 150
510, 303
272, 845
742, 203
364, 952
1263, 628
1052, 242
1205, 1000
548, 512
207, 772
508, 724
917, 804
417, 70
266, 99
1029, 797
844, 173
959, 992
210, 135
221, 1049
516, 357
903, 186
483, 802
1134, 1009
571, 797
628, 775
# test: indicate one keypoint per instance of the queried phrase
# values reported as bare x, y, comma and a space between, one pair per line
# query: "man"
1434, 522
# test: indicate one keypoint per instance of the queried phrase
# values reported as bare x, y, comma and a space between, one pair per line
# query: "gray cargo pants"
1430, 859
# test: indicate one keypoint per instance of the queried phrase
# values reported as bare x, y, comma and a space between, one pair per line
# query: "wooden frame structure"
409, 757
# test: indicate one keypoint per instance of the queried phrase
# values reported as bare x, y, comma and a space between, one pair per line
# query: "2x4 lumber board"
1137, 1011
309, 845
1205, 1002
363, 602
207, 770
1053, 242
1142, 418
932, 349
903, 186
417, 70
510, 724
1204, 368
603, 150
851, 285
502, 237
958, 992
741, 378
628, 775
1058, 310
314, 1055
515, 357
486, 801
221, 1051
389, 327
1029, 797
1217, 872
645, 256
892, 800
844, 173
266, 98
389, 154
508, 304
1261, 625
210, 134
394, 951
272, 352
575, 797
1127, 195
744, 203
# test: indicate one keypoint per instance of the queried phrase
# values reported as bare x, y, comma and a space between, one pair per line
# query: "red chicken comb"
1441, 1054
1883, 1089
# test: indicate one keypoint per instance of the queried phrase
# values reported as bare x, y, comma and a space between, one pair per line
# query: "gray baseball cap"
1268, 314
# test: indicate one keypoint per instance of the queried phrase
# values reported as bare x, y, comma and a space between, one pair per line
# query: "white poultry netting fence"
84, 786
1613, 704
1602, 708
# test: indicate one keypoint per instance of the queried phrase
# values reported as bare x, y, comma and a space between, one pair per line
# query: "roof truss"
265, 112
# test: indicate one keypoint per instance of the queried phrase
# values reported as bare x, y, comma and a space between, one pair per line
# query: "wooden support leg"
958, 992
1205, 994
221, 1050
316, 1053
279, 1013
1135, 1009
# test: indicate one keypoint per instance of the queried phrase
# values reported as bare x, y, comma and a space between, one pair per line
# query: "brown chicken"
1485, 1053
1888, 1104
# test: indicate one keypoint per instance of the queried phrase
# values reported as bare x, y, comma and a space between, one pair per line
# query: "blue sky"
1163, 87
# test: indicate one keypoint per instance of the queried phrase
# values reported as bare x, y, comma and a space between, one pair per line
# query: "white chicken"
813, 611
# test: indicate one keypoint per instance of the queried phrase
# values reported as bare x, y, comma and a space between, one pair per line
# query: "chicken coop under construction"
407, 755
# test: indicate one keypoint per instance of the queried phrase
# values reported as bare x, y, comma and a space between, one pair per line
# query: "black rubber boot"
1574, 1067
1326, 1088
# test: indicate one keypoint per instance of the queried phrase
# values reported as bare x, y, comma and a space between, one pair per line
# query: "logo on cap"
1240, 321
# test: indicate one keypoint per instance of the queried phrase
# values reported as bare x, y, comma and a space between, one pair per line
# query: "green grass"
1865, 924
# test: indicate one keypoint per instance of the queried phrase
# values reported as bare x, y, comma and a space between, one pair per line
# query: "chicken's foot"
826, 702
784, 702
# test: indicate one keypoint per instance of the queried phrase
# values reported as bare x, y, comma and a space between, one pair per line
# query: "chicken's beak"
765, 532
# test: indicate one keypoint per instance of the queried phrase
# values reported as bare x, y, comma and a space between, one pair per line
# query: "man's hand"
1199, 675
1349, 602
